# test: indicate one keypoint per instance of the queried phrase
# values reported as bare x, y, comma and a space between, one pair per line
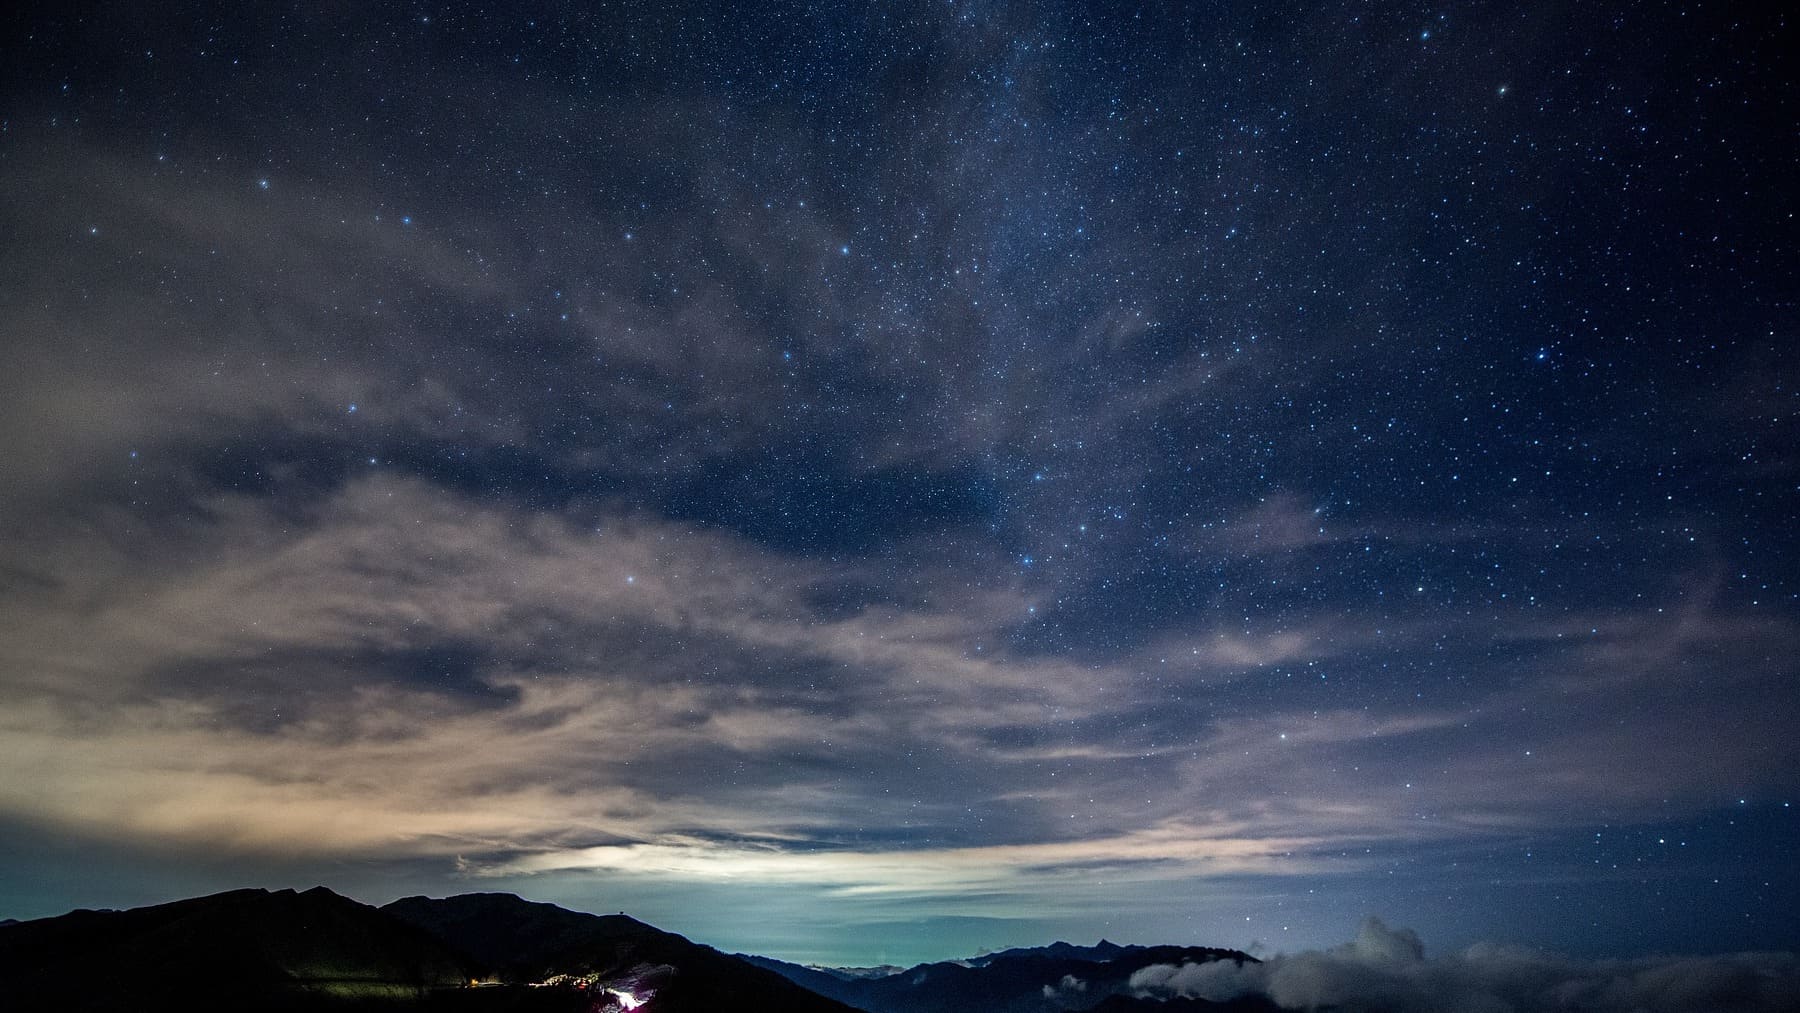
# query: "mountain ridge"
288, 950
291, 951
277, 949
521, 940
1046, 979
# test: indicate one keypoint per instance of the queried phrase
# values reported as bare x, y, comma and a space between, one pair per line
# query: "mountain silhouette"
262, 949
1045, 979
290, 952
519, 940
1103, 950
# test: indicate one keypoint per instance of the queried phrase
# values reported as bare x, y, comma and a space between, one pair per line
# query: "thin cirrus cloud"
1154, 852
585, 641
618, 695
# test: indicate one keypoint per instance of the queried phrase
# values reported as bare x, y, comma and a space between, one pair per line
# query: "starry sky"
869, 482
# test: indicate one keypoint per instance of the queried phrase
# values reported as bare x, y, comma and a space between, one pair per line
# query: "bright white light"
626, 999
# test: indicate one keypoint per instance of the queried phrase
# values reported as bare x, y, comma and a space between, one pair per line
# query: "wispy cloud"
1181, 849
637, 679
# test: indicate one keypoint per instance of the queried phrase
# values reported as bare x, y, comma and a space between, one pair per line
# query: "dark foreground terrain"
315, 950
282, 950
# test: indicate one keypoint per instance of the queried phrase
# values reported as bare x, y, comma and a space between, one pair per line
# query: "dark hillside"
274, 949
524, 941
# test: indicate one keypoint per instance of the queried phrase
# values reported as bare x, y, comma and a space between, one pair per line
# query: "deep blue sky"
870, 482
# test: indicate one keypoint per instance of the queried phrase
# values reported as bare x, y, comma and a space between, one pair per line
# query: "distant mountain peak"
1037, 979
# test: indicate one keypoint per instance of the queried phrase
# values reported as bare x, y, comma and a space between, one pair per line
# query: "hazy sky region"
865, 482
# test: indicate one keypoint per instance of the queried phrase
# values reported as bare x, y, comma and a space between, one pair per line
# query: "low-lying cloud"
1386, 969
1070, 988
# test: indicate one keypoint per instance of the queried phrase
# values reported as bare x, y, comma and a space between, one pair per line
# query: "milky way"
871, 482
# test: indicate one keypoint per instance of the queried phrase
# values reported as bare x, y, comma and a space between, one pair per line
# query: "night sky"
870, 482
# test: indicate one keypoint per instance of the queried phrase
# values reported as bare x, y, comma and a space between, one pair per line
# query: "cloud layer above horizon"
1385, 969
948, 462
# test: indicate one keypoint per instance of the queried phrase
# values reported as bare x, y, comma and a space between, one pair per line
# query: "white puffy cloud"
1386, 969
1070, 987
